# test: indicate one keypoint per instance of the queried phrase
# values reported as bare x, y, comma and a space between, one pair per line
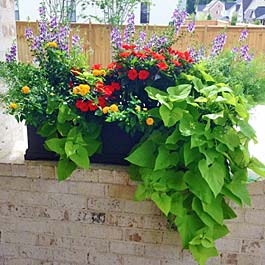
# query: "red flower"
187, 57
71, 84
82, 105
99, 86
125, 54
101, 102
116, 85
141, 55
128, 47
147, 50
96, 67
112, 66
162, 66
157, 56
143, 74
132, 74
177, 63
108, 90
92, 105
118, 66
75, 71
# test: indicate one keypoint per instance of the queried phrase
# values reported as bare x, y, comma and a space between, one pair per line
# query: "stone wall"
93, 219
13, 135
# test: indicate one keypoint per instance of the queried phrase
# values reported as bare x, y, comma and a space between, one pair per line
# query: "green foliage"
198, 160
246, 78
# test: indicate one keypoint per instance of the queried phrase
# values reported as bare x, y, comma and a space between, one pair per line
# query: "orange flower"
105, 110
114, 108
13, 105
52, 44
76, 90
149, 121
96, 72
84, 89
25, 90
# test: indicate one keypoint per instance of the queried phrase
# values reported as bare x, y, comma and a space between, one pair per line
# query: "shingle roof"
201, 7
228, 5
260, 12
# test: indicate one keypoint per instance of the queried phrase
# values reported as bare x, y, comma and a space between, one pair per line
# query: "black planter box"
116, 146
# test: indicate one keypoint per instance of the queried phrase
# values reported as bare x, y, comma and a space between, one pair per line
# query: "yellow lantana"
96, 72
105, 110
149, 121
25, 90
76, 90
114, 108
102, 72
84, 89
138, 108
52, 44
13, 105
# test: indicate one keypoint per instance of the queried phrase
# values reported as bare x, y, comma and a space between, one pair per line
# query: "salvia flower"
191, 27
42, 11
28, 34
12, 54
218, 44
116, 38
129, 29
243, 35
178, 19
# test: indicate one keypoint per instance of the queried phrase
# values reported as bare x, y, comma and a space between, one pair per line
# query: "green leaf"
143, 155
92, 145
174, 137
65, 114
219, 231
175, 180
56, 145
170, 116
198, 186
159, 95
246, 129
228, 211
80, 157
141, 193
198, 85
242, 110
65, 168
202, 254
179, 93
47, 129
214, 174
70, 148
257, 166
64, 128
163, 159
213, 116
52, 105
214, 209
190, 155
163, 202
197, 208
177, 207
187, 226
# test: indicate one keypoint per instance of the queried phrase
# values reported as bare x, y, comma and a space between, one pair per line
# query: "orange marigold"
25, 90
149, 121
96, 72
13, 105
76, 90
114, 108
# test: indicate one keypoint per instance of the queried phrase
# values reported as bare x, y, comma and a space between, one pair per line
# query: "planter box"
116, 146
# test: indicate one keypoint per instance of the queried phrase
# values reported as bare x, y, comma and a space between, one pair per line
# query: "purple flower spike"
178, 18
53, 24
12, 54
191, 27
218, 44
28, 34
129, 30
116, 38
42, 11
243, 35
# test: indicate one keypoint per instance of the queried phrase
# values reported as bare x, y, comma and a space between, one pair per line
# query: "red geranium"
99, 86
101, 102
112, 66
141, 55
132, 74
177, 63
92, 105
116, 85
162, 66
128, 47
108, 90
96, 67
125, 54
82, 105
143, 74
157, 56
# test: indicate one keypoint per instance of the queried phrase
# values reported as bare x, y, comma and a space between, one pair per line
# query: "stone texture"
93, 219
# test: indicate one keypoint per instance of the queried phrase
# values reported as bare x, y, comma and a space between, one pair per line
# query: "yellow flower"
13, 105
76, 90
144, 109
138, 108
102, 72
25, 90
52, 44
97, 72
84, 89
149, 121
105, 110
114, 108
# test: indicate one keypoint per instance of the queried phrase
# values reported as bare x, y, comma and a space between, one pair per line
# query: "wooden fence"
96, 38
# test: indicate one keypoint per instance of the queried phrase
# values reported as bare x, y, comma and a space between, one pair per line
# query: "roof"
237, 7
245, 4
260, 12
228, 5
200, 7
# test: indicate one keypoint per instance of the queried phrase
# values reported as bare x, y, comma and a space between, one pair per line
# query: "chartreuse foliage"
197, 160
72, 137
